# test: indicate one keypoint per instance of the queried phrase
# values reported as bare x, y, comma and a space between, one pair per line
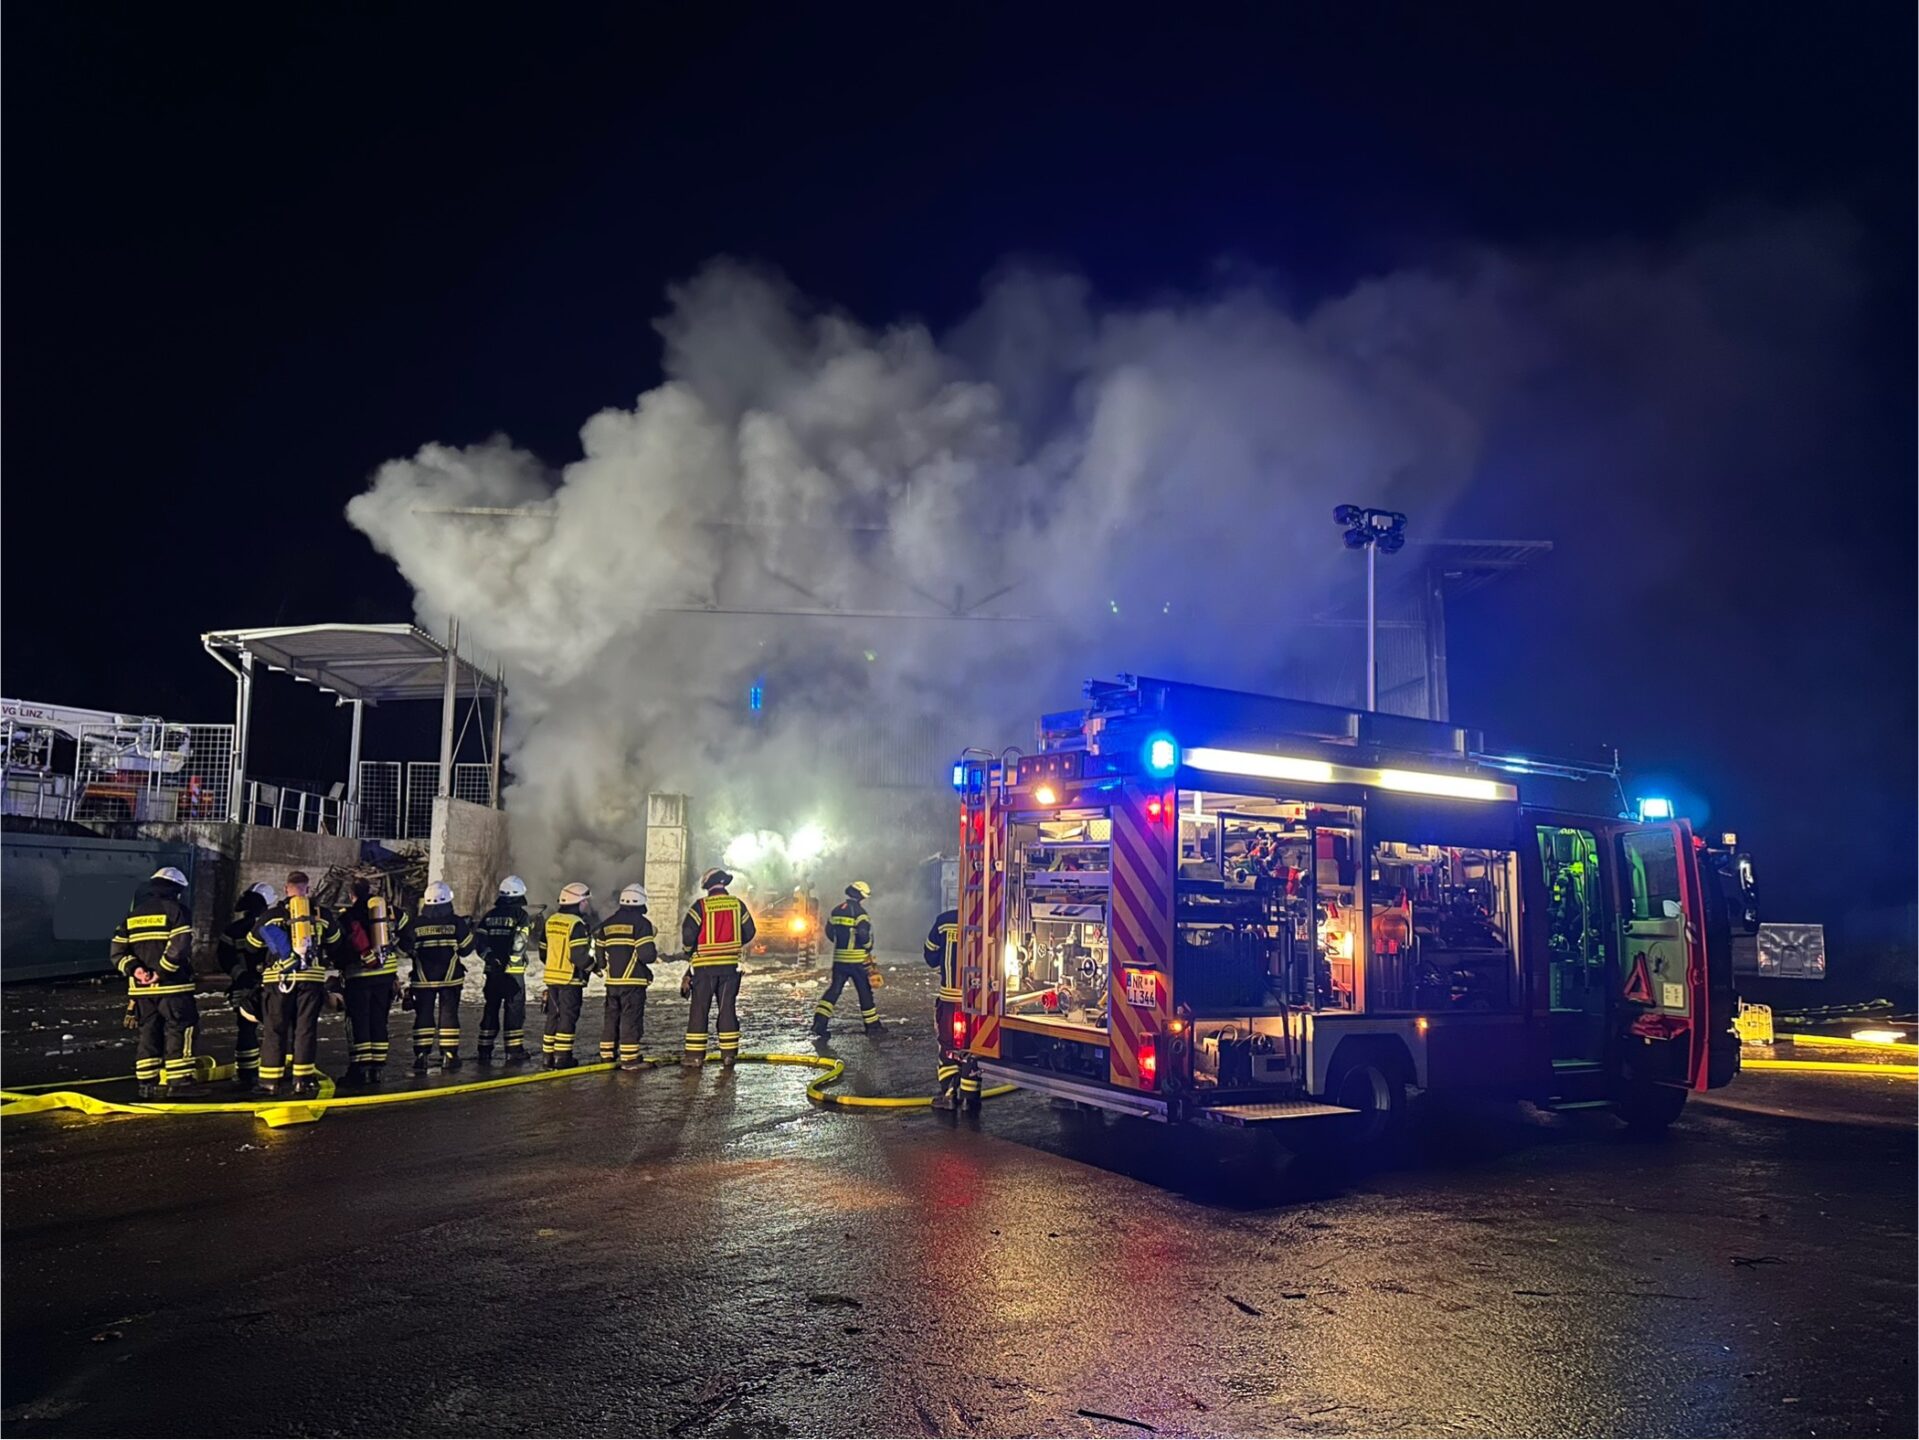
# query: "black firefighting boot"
515, 1058
245, 1081
421, 1064
820, 1027
451, 1062
872, 1027
485, 1058
307, 1087
270, 1088
147, 1090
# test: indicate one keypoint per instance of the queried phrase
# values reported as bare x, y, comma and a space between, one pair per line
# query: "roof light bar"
1454, 787
1319, 772
1269, 767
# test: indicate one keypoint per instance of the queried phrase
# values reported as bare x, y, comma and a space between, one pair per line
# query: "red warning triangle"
1639, 983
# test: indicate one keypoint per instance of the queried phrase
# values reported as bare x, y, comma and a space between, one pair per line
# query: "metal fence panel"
422, 784
380, 799
473, 783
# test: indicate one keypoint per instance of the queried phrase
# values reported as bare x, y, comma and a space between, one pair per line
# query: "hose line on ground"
276, 1112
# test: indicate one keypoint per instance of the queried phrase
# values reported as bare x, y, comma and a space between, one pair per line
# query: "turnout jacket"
157, 935
569, 947
276, 953
716, 930
504, 935
942, 952
852, 932
240, 961
627, 948
440, 941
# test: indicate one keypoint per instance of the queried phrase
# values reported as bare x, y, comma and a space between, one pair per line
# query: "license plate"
1142, 989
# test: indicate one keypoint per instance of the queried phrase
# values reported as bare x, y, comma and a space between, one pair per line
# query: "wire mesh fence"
396, 797
152, 771
422, 784
380, 799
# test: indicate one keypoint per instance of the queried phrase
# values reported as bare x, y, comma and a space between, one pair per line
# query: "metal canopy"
374, 663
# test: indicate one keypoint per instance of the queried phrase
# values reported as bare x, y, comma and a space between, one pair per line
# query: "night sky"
252, 252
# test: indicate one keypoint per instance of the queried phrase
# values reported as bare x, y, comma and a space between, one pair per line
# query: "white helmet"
266, 892
513, 888
634, 895
575, 894
438, 893
169, 873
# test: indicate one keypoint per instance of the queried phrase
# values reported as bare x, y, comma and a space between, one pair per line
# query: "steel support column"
449, 702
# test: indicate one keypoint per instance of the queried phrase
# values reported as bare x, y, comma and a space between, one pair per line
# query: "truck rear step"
1264, 1112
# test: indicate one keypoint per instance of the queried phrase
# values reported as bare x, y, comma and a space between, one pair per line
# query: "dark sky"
251, 252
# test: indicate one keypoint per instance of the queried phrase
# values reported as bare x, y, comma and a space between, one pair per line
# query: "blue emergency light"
1160, 754
1655, 807
959, 775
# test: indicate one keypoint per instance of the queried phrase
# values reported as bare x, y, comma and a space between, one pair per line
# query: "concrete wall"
469, 850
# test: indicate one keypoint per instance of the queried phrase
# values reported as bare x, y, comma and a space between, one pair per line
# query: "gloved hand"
130, 1019
143, 976
686, 983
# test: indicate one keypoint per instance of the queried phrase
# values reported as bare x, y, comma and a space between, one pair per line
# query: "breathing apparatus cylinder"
376, 911
300, 925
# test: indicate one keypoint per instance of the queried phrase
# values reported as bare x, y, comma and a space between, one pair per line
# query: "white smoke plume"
1149, 485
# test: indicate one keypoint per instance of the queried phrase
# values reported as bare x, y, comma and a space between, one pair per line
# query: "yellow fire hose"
33, 1099
1830, 1067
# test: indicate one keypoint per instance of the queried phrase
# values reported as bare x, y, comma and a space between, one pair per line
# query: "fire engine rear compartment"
1270, 948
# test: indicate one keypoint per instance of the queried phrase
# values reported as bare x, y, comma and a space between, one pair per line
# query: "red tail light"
1149, 1062
959, 1029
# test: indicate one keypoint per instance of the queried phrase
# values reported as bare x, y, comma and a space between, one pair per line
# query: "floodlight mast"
1374, 530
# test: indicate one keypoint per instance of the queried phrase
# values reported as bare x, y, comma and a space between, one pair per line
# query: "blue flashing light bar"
1655, 807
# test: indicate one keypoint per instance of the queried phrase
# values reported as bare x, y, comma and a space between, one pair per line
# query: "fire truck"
1202, 905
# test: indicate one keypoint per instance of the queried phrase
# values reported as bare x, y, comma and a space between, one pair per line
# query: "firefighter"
851, 930
440, 940
153, 948
503, 934
242, 964
627, 951
295, 939
958, 1072
369, 963
715, 931
569, 961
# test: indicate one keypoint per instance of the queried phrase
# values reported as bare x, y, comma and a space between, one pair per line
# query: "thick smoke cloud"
1149, 485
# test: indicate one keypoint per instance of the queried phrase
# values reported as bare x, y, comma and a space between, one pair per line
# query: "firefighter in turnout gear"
627, 953
851, 930
503, 934
295, 939
569, 961
369, 962
153, 948
440, 940
958, 1072
715, 931
242, 964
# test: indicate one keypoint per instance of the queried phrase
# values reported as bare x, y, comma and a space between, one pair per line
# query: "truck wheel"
1649, 1109
1374, 1087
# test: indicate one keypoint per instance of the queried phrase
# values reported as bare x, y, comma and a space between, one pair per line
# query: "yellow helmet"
860, 890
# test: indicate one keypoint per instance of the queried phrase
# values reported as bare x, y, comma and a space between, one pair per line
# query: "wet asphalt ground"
659, 1254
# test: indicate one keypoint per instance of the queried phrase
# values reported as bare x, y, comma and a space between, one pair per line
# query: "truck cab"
1193, 904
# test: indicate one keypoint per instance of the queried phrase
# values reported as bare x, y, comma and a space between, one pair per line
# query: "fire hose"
276, 1113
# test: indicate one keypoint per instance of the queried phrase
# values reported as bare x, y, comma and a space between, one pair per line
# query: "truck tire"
1374, 1084
1649, 1109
